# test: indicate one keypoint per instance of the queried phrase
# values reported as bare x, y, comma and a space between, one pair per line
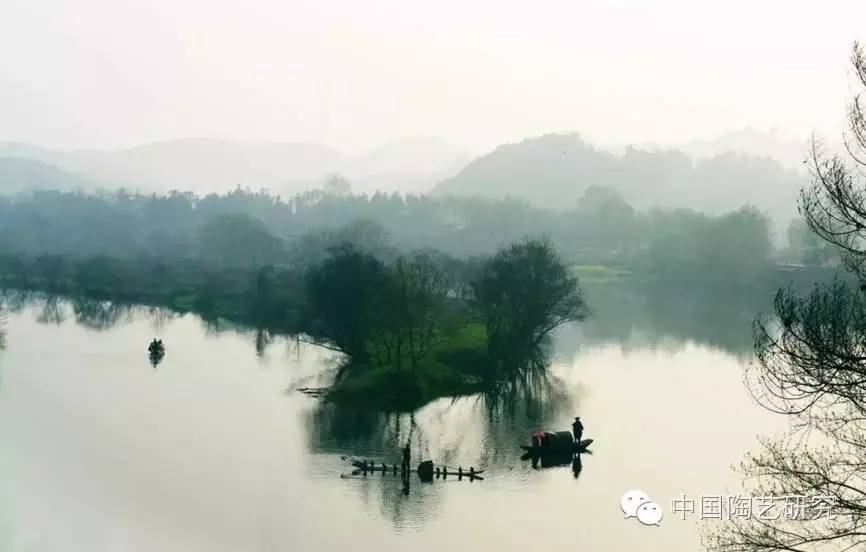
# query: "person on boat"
156, 347
577, 429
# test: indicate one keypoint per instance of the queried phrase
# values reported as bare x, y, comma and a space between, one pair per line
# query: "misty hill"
22, 175
555, 170
208, 165
788, 152
411, 165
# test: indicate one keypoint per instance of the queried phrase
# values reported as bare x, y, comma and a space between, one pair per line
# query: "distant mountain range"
550, 171
787, 151
208, 165
556, 169
21, 175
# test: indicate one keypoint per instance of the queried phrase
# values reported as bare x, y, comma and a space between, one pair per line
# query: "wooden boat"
557, 448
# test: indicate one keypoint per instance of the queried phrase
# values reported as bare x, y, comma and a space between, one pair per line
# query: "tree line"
417, 323
246, 228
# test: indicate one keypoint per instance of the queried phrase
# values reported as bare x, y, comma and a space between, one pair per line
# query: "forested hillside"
555, 170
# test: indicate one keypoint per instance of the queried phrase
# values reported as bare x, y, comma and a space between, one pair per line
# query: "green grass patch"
454, 367
599, 273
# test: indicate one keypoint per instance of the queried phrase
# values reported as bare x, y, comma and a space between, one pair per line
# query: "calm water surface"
212, 449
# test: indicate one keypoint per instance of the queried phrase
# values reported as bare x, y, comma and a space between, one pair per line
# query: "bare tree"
811, 366
835, 205
421, 286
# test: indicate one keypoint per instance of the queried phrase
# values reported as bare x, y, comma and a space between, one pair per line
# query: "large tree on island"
376, 313
523, 293
811, 365
344, 302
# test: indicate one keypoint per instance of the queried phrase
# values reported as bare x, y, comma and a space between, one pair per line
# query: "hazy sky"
353, 74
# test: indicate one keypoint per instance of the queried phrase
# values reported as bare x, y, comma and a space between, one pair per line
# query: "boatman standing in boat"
577, 429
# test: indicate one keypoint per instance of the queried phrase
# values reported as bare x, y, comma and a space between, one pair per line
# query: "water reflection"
102, 315
214, 325
98, 314
263, 339
559, 459
662, 317
508, 416
2, 325
53, 311
576, 465
633, 315
160, 317
486, 430
18, 300
253, 467
482, 432
377, 437
2, 330
155, 357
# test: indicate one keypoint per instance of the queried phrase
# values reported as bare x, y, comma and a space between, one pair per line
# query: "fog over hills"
209, 165
411, 165
786, 150
23, 175
555, 170
552, 170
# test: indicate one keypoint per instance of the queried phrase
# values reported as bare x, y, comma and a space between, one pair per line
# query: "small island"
422, 327
409, 327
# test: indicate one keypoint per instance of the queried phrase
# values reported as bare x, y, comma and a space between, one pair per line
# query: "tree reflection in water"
2, 325
160, 317
665, 317
99, 314
53, 311
483, 431
17, 300
263, 339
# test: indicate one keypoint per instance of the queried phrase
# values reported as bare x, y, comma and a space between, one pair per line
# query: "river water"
215, 450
